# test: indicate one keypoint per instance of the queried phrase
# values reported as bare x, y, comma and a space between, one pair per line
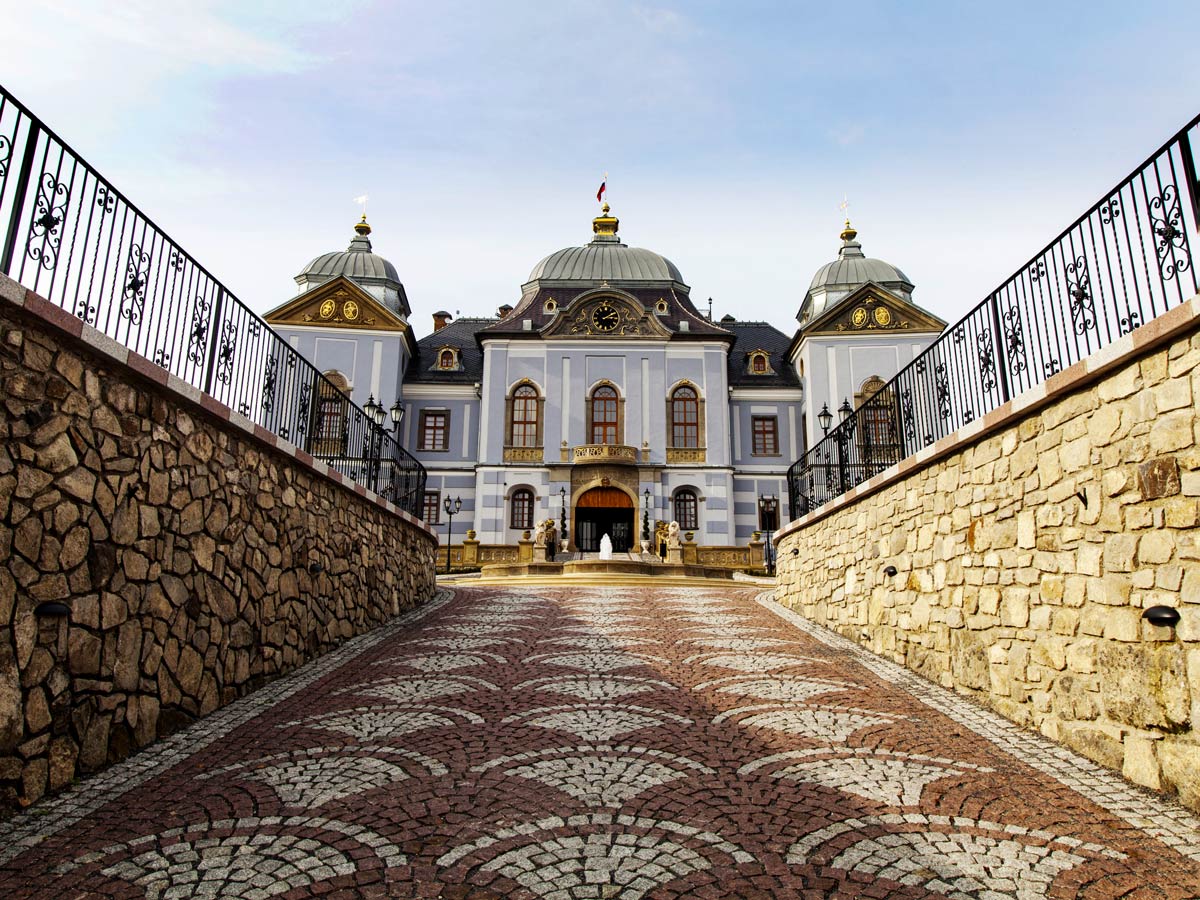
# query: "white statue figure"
606, 547
673, 535
539, 535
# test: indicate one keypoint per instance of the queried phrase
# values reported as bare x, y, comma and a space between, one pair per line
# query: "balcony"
611, 454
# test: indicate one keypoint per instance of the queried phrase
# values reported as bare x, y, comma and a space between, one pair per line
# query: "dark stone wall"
196, 559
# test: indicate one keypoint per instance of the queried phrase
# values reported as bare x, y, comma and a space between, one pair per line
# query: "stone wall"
1027, 550
197, 559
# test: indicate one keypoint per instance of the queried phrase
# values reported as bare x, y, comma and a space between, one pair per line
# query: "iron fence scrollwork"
74, 239
1123, 262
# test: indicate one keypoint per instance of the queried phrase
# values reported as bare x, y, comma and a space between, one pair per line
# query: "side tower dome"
371, 272
849, 271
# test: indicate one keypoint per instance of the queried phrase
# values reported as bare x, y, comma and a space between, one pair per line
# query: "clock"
605, 317
858, 318
328, 308
883, 316
350, 310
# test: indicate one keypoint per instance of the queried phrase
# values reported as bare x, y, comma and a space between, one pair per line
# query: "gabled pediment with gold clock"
339, 303
872, 309
606, 315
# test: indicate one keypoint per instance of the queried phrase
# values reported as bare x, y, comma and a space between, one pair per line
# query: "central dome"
605, 258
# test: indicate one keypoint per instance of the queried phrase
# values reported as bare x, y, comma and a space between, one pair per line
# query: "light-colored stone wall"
1027, 553
197, 559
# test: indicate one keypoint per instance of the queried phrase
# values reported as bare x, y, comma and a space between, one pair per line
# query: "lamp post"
769, 507
562, 517
451, 507
646, 518
374, 413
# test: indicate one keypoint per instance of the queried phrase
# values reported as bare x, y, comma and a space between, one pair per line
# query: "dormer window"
448, 360
758, 362
550, 306
661, 307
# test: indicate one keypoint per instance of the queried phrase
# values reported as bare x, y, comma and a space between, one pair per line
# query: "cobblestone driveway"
606, 742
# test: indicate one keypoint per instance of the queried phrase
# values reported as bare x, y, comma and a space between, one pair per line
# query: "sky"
965, 136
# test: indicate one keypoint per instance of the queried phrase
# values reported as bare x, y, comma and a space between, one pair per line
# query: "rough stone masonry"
185, 547
1028, 552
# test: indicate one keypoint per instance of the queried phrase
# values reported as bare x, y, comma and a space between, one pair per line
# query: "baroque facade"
603, 395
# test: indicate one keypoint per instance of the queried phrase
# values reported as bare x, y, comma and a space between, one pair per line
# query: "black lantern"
397, 412
845, 409
825, 417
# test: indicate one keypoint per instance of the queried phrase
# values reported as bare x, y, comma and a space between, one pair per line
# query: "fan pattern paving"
625, 742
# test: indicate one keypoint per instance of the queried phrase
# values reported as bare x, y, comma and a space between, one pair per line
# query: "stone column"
470, 550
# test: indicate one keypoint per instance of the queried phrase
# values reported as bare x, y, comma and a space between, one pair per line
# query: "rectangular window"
522, 509
431, 508
434, 432
765, 431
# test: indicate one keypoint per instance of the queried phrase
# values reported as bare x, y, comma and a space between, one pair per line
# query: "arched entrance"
601, 511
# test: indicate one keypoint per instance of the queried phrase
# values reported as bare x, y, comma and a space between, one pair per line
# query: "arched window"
685, 509
877, 436
329, 435
604, 415
759, 364
524, 431
446, 359
521, 503
685, 418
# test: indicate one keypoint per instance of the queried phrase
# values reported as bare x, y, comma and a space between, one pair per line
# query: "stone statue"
672, 535
606, 547
539, 535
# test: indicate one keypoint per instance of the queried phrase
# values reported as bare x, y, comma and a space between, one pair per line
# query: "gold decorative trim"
677, 455
523, 454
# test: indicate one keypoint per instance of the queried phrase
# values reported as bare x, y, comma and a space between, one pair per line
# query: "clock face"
350, 310
327, 309
605, 317
883, 316
859, 317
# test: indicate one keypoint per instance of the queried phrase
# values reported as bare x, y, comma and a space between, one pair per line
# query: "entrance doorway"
601, 511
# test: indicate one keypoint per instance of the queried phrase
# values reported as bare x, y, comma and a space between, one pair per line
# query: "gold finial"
605, 224
848, 233
362, 227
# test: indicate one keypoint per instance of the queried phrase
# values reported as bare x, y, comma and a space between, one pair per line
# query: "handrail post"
1189, 173
18, 210
999, 350
214, 337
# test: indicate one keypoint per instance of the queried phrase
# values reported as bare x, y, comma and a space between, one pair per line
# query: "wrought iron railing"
1125, 261
73, 238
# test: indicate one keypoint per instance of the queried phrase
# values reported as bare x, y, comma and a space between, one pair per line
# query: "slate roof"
532, 306
460, 334
753, 336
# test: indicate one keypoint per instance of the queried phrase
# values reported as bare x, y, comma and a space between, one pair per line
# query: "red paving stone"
595, 742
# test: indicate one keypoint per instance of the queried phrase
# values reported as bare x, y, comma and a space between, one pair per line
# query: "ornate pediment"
873, 310
607, 315
339, 303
